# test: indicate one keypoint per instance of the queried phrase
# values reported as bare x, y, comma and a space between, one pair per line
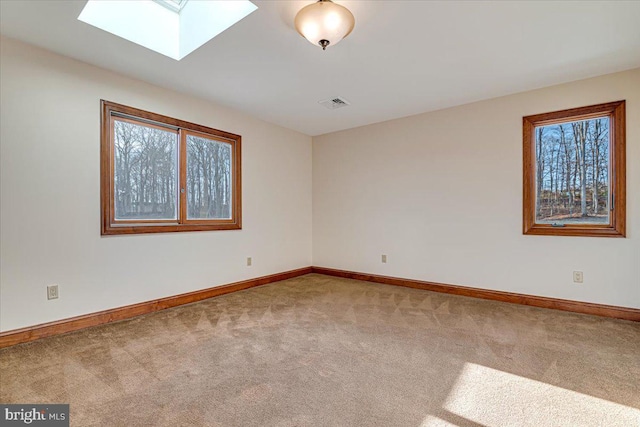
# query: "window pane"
572, 172
146, 178
208, 178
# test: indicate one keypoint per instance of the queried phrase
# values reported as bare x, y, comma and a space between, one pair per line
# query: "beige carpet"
321, 351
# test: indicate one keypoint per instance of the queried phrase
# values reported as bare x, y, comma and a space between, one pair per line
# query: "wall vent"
334, 103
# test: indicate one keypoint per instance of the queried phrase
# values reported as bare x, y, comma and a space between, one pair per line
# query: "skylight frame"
173, 5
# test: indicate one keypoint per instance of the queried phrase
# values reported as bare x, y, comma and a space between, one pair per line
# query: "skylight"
174, 28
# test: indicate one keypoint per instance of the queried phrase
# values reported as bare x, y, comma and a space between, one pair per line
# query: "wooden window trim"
617, 166
110, 226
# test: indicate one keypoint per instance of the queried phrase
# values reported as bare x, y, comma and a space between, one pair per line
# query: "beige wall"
441, 194
50, 206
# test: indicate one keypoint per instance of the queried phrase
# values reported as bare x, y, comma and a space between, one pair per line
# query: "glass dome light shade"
324, 21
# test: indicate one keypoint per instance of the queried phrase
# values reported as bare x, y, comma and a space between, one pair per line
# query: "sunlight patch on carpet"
488, 397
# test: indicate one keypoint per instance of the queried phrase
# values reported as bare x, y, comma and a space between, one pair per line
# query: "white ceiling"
403, 57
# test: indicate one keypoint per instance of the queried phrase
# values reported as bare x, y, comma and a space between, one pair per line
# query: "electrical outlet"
52, 292
249, 261
578, 277
384, 259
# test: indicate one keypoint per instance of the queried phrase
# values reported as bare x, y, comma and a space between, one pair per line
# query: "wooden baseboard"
536, 301
18, 336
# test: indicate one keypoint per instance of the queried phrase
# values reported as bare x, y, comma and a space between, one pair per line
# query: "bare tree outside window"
572, 172
145, 171
208, 178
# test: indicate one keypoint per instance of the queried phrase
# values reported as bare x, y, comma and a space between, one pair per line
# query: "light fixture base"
324, 43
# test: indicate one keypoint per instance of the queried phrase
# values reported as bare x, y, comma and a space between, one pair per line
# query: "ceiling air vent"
334, 103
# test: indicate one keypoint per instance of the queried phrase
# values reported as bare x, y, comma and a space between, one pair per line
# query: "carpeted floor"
321, 351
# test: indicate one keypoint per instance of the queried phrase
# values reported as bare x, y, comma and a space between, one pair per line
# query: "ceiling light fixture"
324, 23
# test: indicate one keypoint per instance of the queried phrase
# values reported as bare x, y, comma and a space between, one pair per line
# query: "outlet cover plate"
52, 292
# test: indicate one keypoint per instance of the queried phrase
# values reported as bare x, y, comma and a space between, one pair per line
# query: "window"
160, 174
574, 172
